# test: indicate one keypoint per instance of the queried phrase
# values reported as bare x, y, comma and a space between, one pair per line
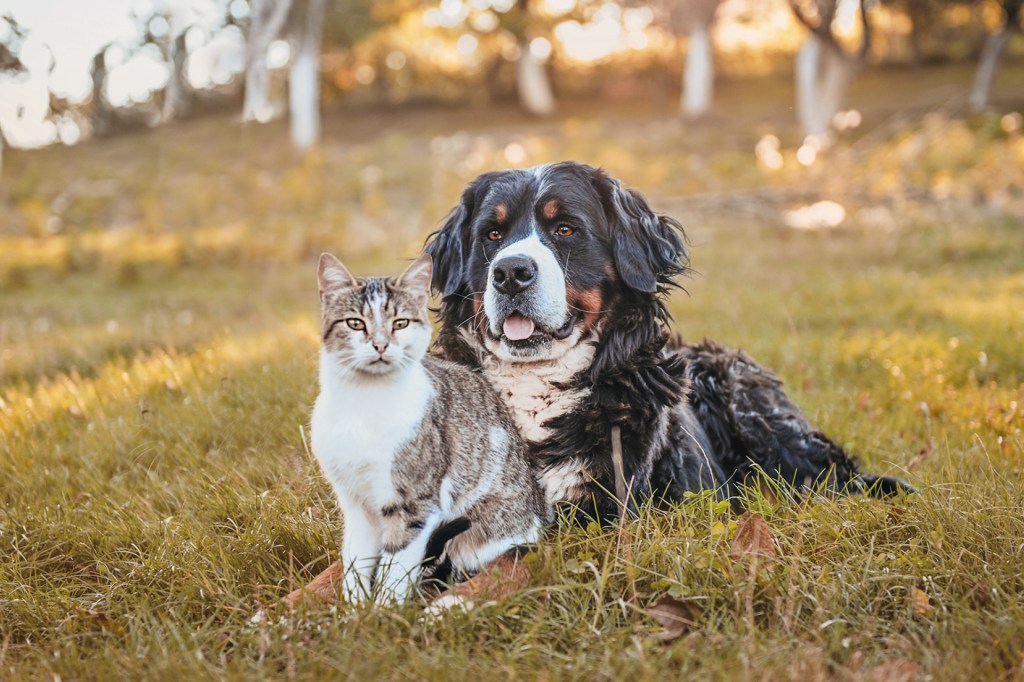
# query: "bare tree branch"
820, 28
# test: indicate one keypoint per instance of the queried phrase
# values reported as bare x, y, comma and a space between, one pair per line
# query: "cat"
417, 449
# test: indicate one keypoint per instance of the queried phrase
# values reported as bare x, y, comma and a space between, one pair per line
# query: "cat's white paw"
447, 602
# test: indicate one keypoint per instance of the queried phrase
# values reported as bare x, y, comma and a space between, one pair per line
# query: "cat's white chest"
358, 428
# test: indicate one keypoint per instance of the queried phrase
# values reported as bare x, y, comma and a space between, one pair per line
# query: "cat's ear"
417, 276
332, 274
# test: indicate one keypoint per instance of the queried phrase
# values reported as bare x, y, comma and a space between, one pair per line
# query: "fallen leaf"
920, 604
897, 670
101, 619
753, 539
675, 615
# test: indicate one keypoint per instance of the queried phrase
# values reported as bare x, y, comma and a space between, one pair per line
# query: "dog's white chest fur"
530, 392
357, 430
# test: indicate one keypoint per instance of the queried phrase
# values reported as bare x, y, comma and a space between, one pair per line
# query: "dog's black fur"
692, 416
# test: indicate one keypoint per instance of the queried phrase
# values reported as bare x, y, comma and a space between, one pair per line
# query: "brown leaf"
101, 619
896, 670
920, 605
753, 539
676, 616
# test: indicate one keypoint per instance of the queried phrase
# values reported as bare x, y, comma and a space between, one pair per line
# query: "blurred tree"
103, 115
696, 19
165, 25
304, 76
11, 39
992, 53
823, 67
178, 94
532, 82
268, 18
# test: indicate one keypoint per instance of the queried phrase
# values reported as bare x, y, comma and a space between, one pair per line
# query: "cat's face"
374, 325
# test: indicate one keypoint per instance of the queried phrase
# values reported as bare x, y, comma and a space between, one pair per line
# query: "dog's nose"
512, 274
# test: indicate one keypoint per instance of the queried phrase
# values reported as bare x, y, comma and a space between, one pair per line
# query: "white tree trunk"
698, 73
822, 77
806, 75
177, 100
988, 65
532, 83
304, 80
268, 17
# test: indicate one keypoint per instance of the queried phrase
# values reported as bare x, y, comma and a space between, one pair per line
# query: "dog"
553, 282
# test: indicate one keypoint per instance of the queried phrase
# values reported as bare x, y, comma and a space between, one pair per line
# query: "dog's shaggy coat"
692, 416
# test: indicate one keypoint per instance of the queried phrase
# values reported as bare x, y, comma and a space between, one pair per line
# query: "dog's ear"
649, 249
449, 246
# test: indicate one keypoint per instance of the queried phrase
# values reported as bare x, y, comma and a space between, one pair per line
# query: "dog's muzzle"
525, 295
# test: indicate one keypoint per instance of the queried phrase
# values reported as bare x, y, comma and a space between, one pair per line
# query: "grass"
157, 367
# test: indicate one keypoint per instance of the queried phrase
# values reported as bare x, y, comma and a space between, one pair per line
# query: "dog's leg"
503, 577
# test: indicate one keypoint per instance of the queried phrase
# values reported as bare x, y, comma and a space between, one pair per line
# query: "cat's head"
374, 325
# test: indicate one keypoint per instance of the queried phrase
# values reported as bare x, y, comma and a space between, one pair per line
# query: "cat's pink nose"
380, 346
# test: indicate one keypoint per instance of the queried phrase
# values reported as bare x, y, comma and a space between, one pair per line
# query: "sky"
73, 30
68, 33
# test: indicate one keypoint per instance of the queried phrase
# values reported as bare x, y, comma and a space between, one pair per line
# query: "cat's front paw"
446, 602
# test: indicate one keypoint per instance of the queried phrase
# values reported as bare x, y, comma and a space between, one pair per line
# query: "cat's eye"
494, 235
564, 230
400, 323
355, 323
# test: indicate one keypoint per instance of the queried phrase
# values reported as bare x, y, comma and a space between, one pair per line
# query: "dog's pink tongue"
517, 327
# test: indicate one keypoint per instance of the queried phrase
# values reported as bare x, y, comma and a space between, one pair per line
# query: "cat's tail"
437, 566
442, 535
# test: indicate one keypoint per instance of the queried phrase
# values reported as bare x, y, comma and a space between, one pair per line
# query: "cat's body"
412, 444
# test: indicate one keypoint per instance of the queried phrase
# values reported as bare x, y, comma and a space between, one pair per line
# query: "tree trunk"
532, 84
806, 74
988, 65
102, 112
698, 73
822, 77
304, 80
177, 97
268, 17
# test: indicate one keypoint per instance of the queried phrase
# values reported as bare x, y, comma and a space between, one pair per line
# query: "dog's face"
539, 255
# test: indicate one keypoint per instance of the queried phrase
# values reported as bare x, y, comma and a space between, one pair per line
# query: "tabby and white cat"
417, 449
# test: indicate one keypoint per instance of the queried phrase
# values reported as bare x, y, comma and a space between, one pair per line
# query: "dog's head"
532, 260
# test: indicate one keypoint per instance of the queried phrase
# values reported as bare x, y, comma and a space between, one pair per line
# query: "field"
158, 335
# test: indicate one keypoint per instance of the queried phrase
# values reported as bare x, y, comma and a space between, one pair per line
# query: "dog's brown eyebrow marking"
500, 213
550, 209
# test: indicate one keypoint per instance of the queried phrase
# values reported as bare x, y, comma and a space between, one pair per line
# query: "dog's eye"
494, 235
355, 323
564, 230
400, 324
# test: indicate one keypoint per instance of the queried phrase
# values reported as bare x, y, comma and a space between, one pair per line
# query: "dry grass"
153, 393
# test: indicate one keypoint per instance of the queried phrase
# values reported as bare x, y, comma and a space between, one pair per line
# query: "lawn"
158, 336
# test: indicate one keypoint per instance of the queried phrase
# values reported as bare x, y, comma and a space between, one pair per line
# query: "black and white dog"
553, 282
